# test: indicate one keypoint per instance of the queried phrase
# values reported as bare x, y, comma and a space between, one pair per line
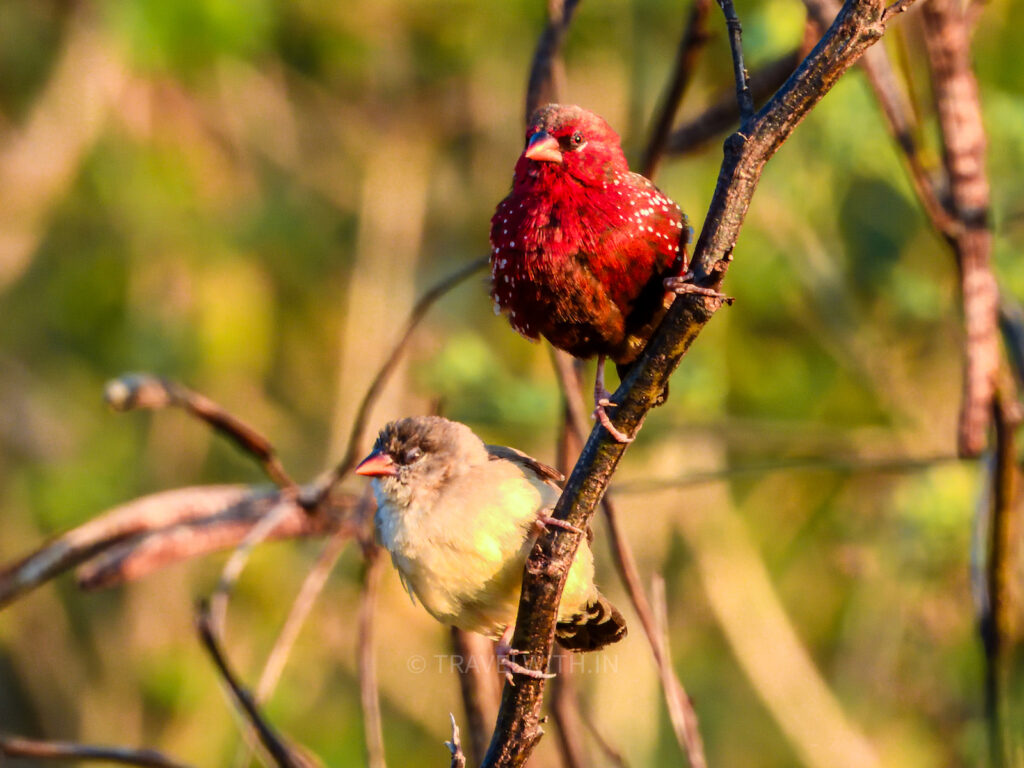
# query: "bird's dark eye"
576, 140
412, 454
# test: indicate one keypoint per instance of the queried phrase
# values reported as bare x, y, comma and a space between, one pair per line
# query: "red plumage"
581, 246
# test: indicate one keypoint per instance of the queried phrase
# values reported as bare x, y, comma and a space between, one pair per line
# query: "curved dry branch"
947, 39
543, 85
858, 26
695, 36
118, 526
134, 391
681, 712
35, 749
313, 495
281, 752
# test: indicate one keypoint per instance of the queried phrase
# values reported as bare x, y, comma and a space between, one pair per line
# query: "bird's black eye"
412, 455
576, 140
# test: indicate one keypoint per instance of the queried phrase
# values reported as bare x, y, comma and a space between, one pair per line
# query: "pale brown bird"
459, 518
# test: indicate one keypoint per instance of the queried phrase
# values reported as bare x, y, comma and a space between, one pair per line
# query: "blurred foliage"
247, 197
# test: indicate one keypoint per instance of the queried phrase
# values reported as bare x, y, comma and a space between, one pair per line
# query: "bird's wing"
548, 474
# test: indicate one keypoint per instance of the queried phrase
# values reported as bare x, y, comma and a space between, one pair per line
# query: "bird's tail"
597, 626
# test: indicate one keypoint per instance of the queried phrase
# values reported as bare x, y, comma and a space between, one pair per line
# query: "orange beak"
377, 465
543, 147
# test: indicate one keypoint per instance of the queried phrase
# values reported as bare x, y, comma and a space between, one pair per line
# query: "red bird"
581, 248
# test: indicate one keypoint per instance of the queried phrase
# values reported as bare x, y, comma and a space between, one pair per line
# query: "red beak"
543, 147
377, 465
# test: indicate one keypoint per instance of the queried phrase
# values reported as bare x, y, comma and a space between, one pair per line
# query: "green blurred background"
248, 196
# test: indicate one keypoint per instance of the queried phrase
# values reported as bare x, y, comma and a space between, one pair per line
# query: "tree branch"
135, 391
368, 695
947, 39
855, 29
691, 45
724, 114
282, 753
543, 84
682, 715
313, 495
17, 746
743, 98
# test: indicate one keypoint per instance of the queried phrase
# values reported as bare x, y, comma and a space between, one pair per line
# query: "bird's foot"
504, 653
601, 401
544, 521
510, 667
602, 416
684, 284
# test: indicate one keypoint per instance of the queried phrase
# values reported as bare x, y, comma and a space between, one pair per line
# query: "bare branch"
136, 391
317, 491
683, 718
680, 708
223, 529
368, 695
17, 746
479, 685
542, 86
856, 28
311, 587
256, 535
565, 711
283, 754
691, 45
149, 513
739, 69
724, 114
947, 39
998, 611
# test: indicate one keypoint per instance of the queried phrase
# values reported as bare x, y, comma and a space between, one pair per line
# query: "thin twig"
368, 695
18, 746
354, 449
479, 685
542, 86
283, 754
684, 719
236, 563
798, 464
564, 706
855, 29
723, 115
999, 610
958, 105
301, 607
743, 96
680, 708
134, 391
691, 45
565, 711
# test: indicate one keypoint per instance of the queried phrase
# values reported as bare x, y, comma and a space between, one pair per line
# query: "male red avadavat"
581, 249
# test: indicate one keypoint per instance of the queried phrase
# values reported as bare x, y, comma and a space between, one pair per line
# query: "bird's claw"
543, 521
602, 416
684, 284
512, 667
